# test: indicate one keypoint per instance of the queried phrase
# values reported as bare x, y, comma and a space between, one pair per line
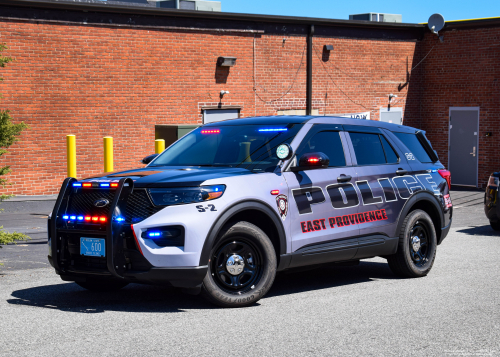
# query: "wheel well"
431, 210
264, 222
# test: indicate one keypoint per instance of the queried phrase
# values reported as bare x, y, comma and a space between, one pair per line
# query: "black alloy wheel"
419, 243
416, 247
242, 266
236, 265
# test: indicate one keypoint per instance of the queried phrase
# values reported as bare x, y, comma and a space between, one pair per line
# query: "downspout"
309, 71
177, 5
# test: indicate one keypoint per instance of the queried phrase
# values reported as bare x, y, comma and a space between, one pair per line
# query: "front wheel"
242, 266
416, 248
495, 225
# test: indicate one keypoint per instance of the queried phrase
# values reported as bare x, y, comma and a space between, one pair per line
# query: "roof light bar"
274, 129
77, 184
87, 184
104, 185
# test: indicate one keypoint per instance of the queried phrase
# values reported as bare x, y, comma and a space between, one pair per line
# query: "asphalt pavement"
352, 311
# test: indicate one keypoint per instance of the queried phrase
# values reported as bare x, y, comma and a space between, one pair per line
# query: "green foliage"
9, 133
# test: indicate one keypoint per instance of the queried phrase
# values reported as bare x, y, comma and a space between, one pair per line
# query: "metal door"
463, 149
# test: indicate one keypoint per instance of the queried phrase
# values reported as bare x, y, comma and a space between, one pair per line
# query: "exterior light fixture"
226, 61
328, 48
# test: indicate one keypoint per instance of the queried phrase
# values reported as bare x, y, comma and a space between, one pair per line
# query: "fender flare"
421, 196
226, 216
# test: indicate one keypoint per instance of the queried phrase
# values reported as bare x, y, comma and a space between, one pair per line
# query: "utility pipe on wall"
309, 70
71, 154
108, 153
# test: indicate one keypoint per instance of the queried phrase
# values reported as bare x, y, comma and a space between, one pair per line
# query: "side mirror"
311, 161
148, 159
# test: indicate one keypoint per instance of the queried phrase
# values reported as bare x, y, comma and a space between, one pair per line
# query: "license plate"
93, 247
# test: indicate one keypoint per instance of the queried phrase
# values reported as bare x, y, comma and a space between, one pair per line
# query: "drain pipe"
177, 5
309, 71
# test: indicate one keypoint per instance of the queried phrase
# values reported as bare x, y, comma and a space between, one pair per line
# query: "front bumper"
180, 277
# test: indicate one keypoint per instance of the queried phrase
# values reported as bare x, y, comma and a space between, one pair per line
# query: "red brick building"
95, 71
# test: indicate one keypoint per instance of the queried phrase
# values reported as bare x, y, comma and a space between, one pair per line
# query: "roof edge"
141, 10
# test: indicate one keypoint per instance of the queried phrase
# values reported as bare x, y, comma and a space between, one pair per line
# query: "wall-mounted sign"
364, 115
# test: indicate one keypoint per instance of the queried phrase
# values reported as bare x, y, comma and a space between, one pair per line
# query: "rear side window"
372, 149
413, 144
327, 142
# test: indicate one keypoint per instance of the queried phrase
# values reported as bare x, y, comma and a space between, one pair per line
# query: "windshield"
247, 146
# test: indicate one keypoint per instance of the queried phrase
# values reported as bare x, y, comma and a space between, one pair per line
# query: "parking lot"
331, 310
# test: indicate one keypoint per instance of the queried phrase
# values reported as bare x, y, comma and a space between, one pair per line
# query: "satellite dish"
436, 23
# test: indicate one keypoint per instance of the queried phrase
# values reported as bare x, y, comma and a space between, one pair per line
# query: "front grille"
139, 207
81, 202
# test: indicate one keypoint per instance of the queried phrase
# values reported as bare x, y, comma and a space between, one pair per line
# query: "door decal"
282, 202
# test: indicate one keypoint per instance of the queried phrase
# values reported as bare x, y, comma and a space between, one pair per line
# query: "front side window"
372, 149
245, 146
327, 142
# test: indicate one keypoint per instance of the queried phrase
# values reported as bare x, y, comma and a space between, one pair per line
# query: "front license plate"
93, 247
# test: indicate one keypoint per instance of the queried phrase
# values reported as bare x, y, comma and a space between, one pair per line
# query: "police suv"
233, 202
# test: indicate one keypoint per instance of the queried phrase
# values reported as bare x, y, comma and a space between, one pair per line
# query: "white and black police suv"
231, 203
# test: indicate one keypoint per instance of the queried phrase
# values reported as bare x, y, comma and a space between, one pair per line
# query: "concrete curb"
32, 198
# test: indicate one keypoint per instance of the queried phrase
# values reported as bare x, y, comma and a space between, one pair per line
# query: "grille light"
120, 219
80, 218
65, 217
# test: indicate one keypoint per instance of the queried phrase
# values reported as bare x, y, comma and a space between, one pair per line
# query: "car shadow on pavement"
70, 297
485, 230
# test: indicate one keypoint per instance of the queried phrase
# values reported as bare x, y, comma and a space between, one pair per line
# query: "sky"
413, 11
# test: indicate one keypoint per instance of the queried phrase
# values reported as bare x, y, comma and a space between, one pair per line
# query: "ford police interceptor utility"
233, 202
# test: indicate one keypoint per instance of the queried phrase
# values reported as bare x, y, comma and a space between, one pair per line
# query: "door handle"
344, 178
401, 172
473, 153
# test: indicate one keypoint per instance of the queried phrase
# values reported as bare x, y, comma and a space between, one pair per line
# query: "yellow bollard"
159, 146
108, 154
71, 153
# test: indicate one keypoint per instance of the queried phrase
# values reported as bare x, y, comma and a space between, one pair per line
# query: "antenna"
436, 24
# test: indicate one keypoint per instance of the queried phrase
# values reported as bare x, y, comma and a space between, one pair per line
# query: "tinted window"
412, 143
368, 149
390, 155
252, 147
327, 142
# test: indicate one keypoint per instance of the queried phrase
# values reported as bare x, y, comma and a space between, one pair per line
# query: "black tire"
495, 225
408, 262
248, 242
102, 286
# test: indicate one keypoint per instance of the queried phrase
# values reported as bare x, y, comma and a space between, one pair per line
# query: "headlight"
183, 195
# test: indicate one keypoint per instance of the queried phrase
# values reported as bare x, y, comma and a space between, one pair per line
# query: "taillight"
447, 176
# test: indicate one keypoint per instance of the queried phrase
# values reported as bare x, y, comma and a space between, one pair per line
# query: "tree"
9, 133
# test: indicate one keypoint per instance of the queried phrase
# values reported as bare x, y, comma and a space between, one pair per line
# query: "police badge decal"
282, 203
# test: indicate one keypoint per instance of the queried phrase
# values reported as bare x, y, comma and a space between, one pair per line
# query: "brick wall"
97, 80
463, 71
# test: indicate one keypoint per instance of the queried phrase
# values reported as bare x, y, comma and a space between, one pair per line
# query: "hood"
171, 176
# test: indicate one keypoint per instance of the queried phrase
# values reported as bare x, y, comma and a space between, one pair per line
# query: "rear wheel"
416, 248
102, 286
242, 266
495, 225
